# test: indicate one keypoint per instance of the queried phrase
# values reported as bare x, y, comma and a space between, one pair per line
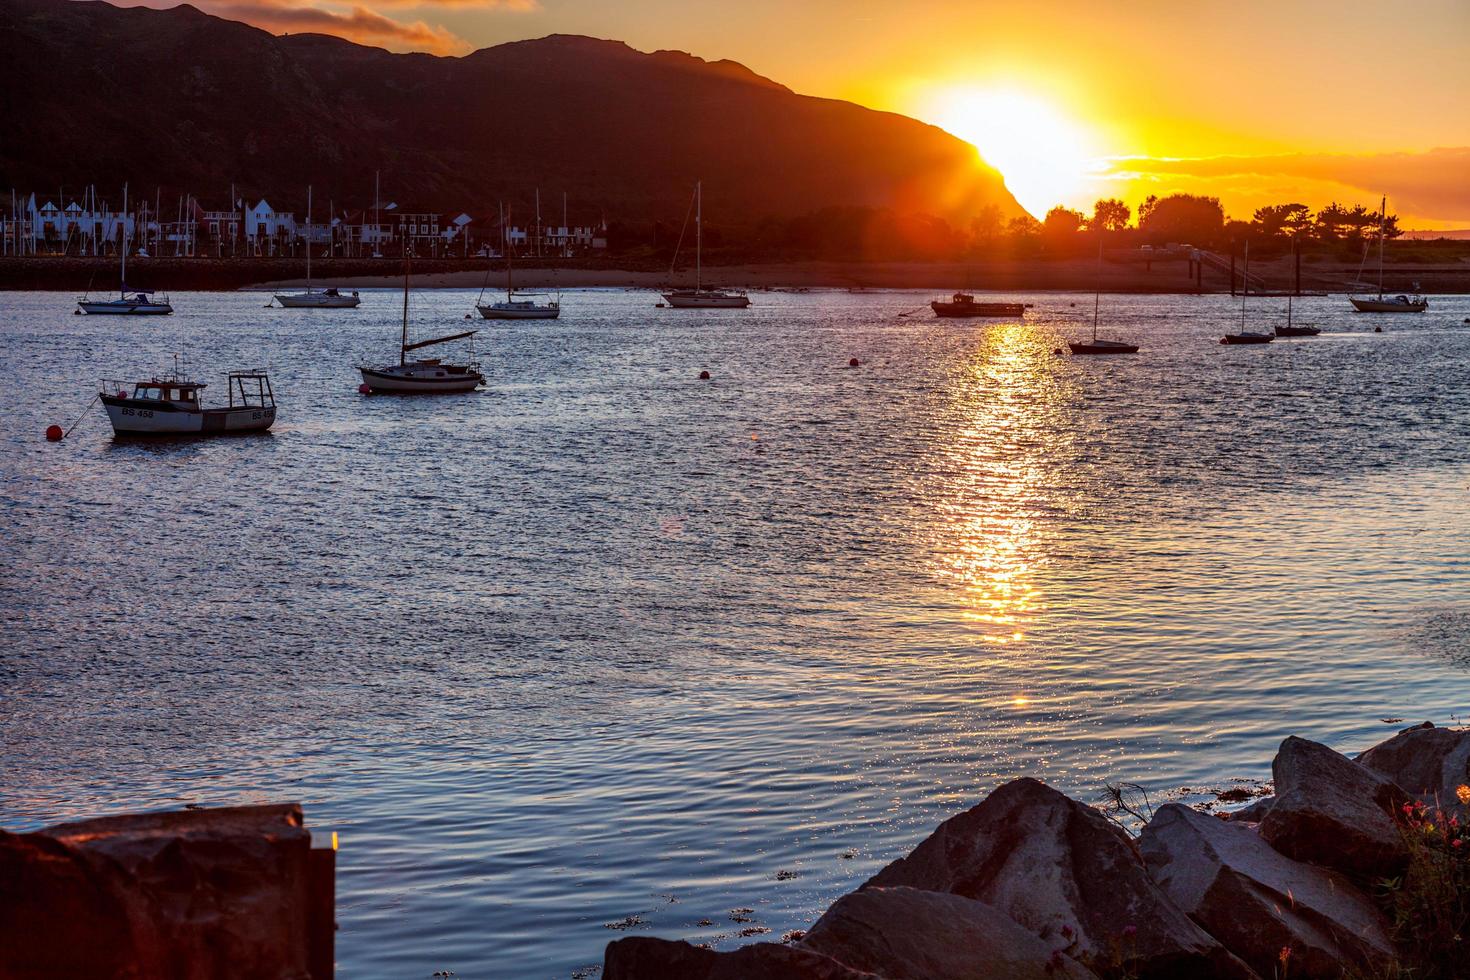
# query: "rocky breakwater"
1354, 868
229, 892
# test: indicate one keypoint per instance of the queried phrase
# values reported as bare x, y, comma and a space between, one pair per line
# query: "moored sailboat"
511, 308
423, 375
313, 299
1387, 304
136, 302
1295, 330
700, 298
1244, 336
1096, 346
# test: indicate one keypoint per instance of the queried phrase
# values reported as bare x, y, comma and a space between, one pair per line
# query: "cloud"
1429, 185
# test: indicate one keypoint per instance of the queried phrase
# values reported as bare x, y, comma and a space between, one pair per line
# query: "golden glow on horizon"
1044, 154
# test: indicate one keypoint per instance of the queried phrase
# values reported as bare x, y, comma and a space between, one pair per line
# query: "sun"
1044, 156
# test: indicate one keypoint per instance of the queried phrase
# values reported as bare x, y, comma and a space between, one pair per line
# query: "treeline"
878, 234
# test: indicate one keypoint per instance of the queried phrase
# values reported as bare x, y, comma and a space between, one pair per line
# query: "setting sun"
1043, 154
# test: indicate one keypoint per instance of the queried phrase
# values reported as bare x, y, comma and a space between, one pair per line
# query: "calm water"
605, 641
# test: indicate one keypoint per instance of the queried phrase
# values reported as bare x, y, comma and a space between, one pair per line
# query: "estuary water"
604, 649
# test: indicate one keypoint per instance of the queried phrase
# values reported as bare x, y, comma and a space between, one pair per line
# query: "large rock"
907, 934
1257, 901
647, 958
209, 893
1432, 763
1062, 871
1331, 811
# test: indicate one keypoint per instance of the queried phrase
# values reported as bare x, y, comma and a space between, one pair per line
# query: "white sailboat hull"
317, 301
1389, 305
518, 311
143, 417
124, 307
421, 379
706, 300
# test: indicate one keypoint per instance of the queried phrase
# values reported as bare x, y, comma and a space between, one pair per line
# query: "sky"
1253, 102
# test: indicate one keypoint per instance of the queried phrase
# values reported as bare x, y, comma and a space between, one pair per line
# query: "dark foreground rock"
208, 893
1257, 901
908, 934
647, 958
1431, 763
1331, 811
1061, 870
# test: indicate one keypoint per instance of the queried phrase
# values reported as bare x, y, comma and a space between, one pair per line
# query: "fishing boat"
171, 406
1096, 346
1295, 330
423, 376
964, 305
700, 298
314, 299
1387, 304
135, 302
1244, 336
511, 308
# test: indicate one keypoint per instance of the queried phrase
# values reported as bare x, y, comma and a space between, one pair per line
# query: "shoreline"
1126, 274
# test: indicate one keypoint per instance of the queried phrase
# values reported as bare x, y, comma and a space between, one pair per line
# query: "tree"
1182, 218
1062, 222
1109, 214
986, 226
1275, 220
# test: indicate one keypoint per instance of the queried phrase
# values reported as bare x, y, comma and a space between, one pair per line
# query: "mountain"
99, 94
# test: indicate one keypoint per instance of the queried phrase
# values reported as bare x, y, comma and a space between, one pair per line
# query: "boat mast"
698, 235
122, 292
403, 346
308, 238
1097, 293
1246, 280
505, 247
1382, 222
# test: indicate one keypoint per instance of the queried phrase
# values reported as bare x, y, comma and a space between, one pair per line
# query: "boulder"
207, 893
1431, 763
1063, 872
1331, 811
1257, 901
647, 958
907, 934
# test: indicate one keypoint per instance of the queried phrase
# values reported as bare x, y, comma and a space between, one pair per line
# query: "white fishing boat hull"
1389, 305
518, 311
318, 301
124, 307
706, 300
144, 417
421, 379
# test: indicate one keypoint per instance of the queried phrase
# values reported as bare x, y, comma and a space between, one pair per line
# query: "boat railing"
253, 388
114, 386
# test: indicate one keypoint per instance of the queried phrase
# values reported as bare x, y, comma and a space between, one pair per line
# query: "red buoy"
54, 433
853, 362
703, 375
363, 389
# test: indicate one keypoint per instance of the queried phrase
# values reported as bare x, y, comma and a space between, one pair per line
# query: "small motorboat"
171, 406
963, 304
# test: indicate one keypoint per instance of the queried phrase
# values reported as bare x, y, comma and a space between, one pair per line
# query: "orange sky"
1256, 102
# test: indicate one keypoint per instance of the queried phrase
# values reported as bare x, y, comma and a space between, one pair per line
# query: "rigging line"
680, 243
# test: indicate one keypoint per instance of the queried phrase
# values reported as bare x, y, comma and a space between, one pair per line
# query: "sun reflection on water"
991, 501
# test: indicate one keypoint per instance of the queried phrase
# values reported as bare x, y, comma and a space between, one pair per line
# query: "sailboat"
326, 299
1245, 336
1096, 346
700, 298
511, 308
1390, 304
138, 302
426, 375
1299, 330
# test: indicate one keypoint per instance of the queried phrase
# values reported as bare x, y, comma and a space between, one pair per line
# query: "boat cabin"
180, 394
